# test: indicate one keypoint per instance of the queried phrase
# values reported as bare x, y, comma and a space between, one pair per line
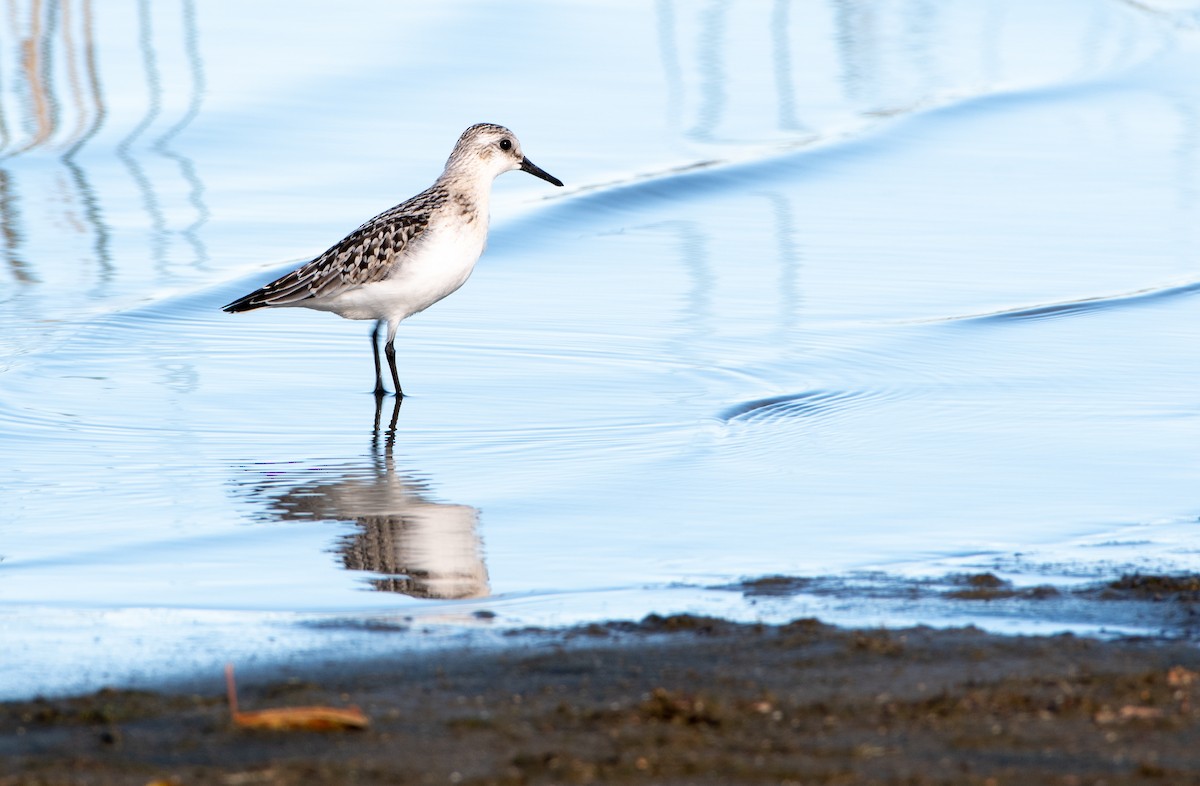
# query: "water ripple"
808, 404
1066, 308
811, 405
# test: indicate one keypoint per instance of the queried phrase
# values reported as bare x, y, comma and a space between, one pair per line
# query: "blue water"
835, 289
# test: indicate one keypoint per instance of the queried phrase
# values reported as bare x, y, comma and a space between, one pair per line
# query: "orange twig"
292, 718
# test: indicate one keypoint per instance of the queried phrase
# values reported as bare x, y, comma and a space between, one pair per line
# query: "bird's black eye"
506, 144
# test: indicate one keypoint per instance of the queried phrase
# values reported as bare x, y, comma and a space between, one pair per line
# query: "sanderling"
406, 259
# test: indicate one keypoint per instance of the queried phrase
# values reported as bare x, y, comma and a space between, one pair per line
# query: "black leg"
379, 389
389, 349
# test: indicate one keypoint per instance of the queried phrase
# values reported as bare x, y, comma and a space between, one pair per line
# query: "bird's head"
487, 149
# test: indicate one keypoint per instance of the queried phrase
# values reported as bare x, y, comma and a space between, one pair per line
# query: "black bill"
534, 169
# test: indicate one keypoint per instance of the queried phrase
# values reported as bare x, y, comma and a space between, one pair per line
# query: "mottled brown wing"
362, 257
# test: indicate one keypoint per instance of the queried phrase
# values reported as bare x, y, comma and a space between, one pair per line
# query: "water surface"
869, 292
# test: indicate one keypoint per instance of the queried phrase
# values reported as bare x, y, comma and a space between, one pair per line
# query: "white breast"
436, 266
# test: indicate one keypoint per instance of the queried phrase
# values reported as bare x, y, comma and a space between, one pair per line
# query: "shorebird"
407, 258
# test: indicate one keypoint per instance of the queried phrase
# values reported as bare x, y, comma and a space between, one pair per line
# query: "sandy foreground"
668, 700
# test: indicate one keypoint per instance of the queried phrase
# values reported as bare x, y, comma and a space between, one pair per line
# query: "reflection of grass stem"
5, 136
125, 146
37, 73
91, 205
73, 72
85, 129
99, 110
670, 60
789, 264
786, 90
186, 167
712, 72
9, 218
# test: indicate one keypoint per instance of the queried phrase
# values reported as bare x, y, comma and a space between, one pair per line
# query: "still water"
874, 293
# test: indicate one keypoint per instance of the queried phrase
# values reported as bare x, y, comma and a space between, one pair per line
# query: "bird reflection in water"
422, 548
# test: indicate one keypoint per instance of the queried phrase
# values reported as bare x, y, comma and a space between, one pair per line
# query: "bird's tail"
246, 303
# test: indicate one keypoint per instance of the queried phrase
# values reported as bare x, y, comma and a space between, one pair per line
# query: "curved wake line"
807, 405
1138, 297
808, 402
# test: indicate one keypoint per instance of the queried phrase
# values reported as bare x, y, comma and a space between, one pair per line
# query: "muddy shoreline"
670, 700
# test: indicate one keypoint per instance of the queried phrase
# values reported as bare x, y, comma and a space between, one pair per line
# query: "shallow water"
890, 290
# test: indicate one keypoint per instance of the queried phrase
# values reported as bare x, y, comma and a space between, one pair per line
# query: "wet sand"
669, 700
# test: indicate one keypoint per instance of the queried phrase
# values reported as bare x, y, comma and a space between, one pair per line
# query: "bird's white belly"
438, 266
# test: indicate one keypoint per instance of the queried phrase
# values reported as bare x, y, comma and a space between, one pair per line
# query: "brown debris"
316, 718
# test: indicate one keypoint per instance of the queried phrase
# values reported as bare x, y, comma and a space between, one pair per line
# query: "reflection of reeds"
35, 90
57, 104
710, 68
